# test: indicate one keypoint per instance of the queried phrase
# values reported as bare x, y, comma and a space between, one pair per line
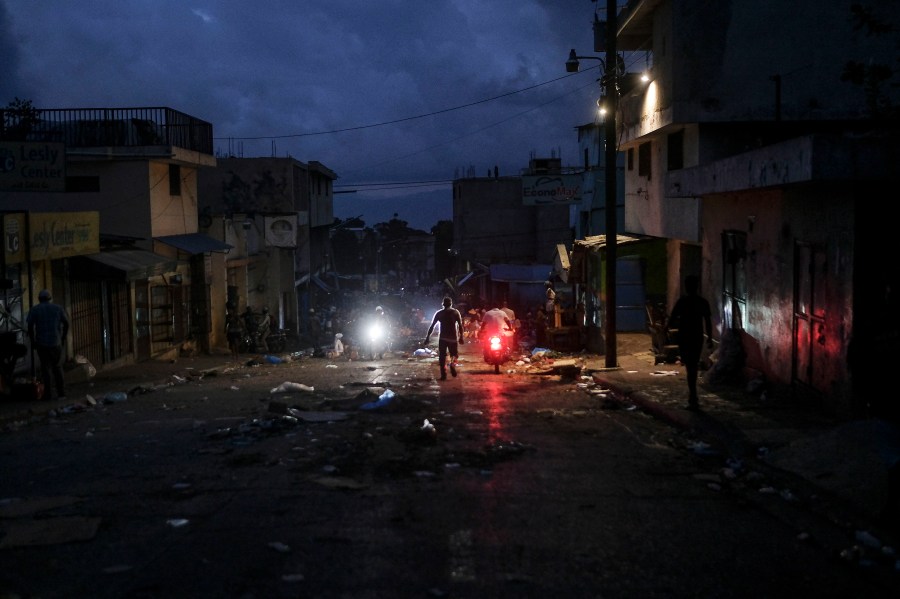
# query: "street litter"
118, 569
702, 448
115, 396
287, 387
383, 400
664, 373
280, 547
177, 522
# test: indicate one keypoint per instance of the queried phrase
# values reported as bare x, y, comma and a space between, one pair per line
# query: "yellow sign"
37, 236
32, 166
14, 237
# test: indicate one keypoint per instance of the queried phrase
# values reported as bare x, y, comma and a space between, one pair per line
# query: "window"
631, 159
734, 255
676, 151
644, 159
82, 184
174, 180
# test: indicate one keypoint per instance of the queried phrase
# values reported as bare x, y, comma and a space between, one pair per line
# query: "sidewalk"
847, 462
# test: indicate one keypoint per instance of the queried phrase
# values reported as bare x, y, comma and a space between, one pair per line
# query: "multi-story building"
147, 291
277, 213
495, 222
761, 163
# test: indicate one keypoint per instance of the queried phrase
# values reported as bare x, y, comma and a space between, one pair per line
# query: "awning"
561, 262
315, 279
128, 265
194, 243
520, 273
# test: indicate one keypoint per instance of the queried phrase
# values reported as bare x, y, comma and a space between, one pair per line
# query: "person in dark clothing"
692, 318
234, 331
48, 326
451, 330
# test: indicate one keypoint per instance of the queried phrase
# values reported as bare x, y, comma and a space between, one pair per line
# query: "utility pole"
612, 96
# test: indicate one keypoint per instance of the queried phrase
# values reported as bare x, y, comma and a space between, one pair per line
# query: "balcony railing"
108, 128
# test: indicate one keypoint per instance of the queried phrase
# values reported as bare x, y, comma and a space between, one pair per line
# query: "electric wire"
405, 119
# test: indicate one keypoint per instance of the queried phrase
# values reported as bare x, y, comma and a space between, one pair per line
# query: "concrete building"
760, 163
495, 222
147, 291
277, 213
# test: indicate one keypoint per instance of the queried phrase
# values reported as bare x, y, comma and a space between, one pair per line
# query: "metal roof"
129, 264
194, 243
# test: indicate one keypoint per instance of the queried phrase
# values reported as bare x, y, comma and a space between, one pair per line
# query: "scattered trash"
280, 547
664, 373
701, 448
272, 359
177, 522
115, 396
868, 539
383, 400
117, 569
287, 387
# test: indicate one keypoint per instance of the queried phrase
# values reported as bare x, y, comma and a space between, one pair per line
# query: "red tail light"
496, 343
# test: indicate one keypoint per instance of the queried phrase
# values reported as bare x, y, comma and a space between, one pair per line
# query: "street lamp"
609, 86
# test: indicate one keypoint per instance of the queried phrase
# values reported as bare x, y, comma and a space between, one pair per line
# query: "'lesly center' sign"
32, 166
544, 190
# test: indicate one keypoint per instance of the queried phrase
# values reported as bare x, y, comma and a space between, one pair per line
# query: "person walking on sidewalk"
234, 331
691, 316
48, 326
451, 330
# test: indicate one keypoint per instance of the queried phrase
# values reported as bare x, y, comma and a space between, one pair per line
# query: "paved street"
529, 483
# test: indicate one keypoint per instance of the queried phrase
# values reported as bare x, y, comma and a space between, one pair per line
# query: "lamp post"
609, 85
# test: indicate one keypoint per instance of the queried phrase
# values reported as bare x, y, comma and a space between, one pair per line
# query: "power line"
410, 118
391, 185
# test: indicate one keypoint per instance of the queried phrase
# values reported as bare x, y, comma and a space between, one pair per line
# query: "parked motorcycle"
277, 340
496, 350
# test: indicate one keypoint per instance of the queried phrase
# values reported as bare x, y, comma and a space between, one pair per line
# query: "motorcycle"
376, 340
496, 350
277, 340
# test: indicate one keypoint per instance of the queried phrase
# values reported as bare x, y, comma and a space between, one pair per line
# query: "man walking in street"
691, 317
48, 326
451, 330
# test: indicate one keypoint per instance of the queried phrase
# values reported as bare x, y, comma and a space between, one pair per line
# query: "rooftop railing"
108, 127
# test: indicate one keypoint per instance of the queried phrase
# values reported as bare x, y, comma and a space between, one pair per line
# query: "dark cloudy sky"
399, 92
